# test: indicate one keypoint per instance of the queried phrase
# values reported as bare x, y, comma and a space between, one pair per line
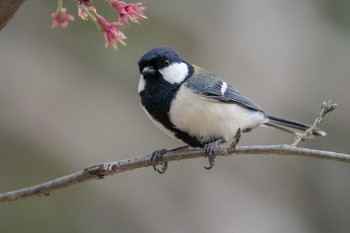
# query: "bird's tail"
291, 126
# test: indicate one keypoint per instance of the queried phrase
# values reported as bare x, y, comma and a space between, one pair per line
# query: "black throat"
156, 98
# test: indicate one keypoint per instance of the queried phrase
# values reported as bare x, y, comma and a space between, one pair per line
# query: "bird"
193, 105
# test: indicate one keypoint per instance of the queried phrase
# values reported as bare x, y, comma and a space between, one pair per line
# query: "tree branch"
326, 107
106, 169
7, 9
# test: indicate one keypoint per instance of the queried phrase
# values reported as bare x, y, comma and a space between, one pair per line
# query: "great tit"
191, 104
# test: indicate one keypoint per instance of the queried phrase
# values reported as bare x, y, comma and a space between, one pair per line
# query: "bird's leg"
209, 152
157, 156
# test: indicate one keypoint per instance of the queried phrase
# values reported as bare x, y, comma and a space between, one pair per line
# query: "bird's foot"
156, 157
209, 153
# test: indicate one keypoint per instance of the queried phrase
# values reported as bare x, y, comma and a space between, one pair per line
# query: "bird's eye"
166, 62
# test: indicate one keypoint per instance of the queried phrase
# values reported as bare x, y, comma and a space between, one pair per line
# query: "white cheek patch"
175, 73
223, 88
142, 84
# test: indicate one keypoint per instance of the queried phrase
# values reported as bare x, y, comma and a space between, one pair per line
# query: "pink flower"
129, 11
83, 6
110, 32
61, 18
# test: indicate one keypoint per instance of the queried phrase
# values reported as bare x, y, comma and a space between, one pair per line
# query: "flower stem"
92, 16
60, 6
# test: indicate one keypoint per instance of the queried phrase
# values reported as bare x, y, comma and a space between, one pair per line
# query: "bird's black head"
163, 63
159, 58
162, 71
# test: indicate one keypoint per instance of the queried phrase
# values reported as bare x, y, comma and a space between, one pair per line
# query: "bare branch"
326, 107
7, 9
106, 169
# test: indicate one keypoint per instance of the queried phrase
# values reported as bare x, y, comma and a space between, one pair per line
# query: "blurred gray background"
67, 103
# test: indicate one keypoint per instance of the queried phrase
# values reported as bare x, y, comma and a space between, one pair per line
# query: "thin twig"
106, 169
326, 107
235, 141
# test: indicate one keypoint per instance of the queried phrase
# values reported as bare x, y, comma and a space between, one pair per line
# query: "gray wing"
206, 84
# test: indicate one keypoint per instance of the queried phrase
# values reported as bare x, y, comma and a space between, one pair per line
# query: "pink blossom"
110, 32
129, 11
61, 18
83, 6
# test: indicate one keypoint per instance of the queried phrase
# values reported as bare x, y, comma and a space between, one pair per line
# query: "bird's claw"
209, 153
156, 157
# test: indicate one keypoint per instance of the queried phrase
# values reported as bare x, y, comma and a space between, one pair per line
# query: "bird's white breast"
208, 118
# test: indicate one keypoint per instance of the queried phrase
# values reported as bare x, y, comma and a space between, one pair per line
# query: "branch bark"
7, 9
106, 169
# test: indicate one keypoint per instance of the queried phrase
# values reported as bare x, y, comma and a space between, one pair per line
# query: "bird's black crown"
159, 57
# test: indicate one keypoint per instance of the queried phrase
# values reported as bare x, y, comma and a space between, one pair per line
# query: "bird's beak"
148, 71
